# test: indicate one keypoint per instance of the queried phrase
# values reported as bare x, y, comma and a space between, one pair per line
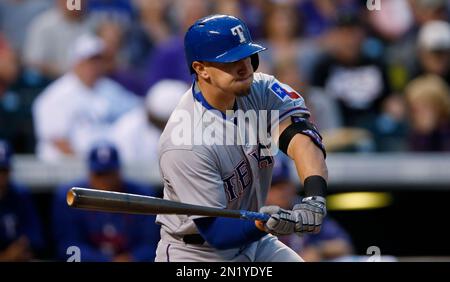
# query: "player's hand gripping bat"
98, 200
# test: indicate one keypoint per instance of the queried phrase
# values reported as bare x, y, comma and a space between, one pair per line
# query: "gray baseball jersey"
197, 168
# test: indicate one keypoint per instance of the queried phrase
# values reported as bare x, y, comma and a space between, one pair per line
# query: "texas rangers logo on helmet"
239, 31
284, 91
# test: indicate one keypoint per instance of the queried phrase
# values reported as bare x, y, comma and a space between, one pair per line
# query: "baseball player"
234, 175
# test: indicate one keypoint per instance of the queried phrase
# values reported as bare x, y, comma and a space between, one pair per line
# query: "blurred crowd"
374, 81
93, 236
80, 235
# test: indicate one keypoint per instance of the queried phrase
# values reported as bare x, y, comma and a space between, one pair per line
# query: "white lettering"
373, 5
239, 31
73, 5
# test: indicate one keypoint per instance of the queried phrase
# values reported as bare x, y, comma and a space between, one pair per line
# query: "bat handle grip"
254, 215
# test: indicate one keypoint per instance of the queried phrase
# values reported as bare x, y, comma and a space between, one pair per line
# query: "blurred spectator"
283, 43
281, 28
331, 243
319, 16
254, 12
137, 133
16, 16
184, 14
167, 60
393, 20
112, 34
428, 99
434, 49
9, 100
151, 28
402, 51
391, 126
325, 112
117, 56
393, 41
324, 109
228, 7
103, 236
9, 67
20, 229
77, 109
120, 11
357, 82
50, 38
153, 19
429, 10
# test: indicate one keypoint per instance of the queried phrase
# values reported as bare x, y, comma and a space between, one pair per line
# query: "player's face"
235, 77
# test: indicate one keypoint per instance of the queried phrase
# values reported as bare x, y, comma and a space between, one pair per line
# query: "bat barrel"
99, 200
108, 201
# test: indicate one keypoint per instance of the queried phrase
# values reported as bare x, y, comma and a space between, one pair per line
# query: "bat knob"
71, 197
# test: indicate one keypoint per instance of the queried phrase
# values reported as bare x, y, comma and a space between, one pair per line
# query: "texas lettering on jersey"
241, 178
238, 181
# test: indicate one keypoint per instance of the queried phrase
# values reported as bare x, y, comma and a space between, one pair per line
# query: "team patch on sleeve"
284, 91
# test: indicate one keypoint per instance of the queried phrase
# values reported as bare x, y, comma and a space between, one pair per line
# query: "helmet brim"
238, 53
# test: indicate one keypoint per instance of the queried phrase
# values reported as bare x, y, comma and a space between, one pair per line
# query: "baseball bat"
108, 201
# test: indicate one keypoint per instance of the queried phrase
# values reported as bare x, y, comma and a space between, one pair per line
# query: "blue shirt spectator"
104, 236
20, 229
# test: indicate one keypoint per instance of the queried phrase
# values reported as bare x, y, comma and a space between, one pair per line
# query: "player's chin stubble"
243, 93
244, 90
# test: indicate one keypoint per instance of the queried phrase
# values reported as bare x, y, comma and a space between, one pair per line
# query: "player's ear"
200, 69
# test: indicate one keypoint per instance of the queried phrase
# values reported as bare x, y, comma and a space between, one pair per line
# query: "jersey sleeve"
283, 98
193, 178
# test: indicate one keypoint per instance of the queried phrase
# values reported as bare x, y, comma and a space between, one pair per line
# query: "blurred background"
85, 94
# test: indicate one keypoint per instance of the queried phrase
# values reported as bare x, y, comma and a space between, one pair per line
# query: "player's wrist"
315, 186
318, 199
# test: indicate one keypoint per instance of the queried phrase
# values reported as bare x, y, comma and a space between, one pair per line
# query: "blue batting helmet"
220, 38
